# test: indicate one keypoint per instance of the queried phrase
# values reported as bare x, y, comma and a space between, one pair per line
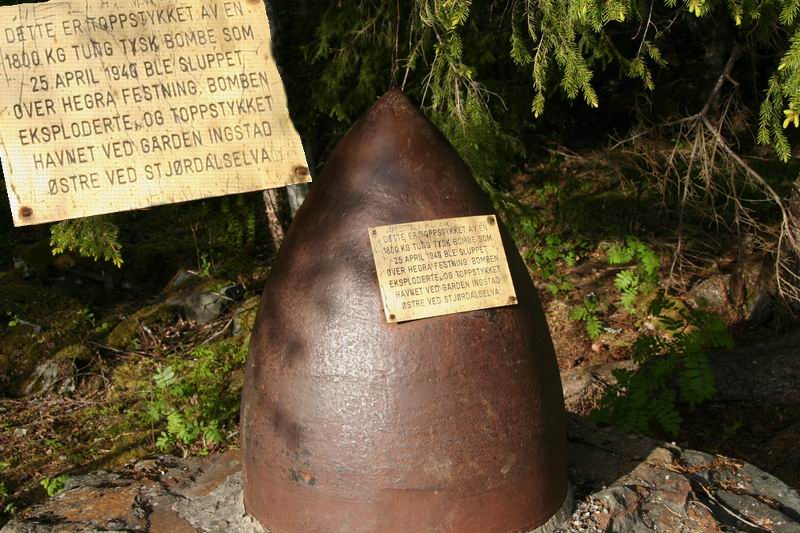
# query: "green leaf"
593, 327
625, 280
628, 300
578, 313
54, 485
619, 255
165, 377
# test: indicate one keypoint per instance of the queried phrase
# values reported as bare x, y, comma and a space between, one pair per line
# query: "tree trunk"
281, 205
273, 203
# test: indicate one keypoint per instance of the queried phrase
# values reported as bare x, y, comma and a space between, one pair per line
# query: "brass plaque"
116, 105
439, 267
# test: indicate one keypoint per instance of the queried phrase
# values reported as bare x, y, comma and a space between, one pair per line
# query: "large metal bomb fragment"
351, 424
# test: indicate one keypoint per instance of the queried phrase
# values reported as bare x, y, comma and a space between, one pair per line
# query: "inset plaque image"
439, 267
113, 106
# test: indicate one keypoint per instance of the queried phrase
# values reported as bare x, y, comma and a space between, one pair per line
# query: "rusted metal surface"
351, 424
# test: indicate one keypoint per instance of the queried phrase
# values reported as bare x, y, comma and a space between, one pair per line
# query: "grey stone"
584, 385
646, 485
756, 512
623, 508
767, 371
55, 376
204, 306
204, 512
714, 291
768, 486
181, 280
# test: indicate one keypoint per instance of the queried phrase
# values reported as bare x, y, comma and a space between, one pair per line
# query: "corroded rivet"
26, 212
491, 219
374, 232
392, 317
512, 299
300, 171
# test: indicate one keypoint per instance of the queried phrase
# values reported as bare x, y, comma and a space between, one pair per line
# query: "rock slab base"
623, 484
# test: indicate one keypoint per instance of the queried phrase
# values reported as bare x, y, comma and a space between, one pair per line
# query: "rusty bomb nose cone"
350, 424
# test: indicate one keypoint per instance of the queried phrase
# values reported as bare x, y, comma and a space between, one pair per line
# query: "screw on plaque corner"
26, 212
